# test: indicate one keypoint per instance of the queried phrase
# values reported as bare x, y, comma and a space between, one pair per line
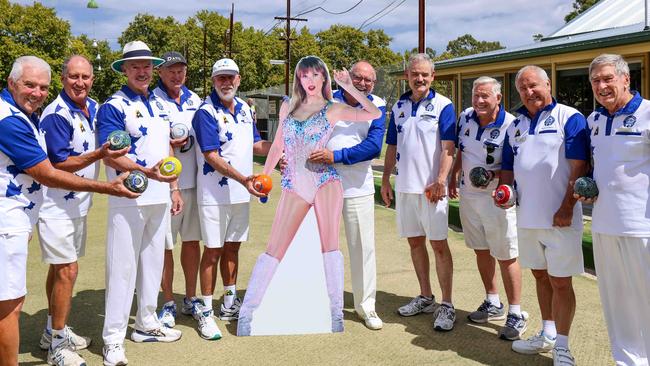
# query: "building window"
574, 89
466, 90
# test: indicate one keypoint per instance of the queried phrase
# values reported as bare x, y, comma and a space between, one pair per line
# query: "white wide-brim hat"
136, 50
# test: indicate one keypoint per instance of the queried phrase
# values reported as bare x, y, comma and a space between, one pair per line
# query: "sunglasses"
490, 148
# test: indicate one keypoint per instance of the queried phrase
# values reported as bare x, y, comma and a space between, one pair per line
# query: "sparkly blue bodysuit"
300, 139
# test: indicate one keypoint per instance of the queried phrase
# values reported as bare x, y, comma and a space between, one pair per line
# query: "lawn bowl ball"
480, 177
504, 195
585, 187
171, 166
179, 131
136, 182
118, 140
263, 183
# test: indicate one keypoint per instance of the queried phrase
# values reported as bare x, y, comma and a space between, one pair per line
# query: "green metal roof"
577, 42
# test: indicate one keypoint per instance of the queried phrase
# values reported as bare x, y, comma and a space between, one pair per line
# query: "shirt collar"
408, 94
498, 122
68, 101
216, 101
7, 97
524, 111
132, 94
184, 94
629, 108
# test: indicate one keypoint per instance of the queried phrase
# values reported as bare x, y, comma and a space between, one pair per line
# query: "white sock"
49, 323
562, 341
229, 294
58, 336
514, 309
207, 302
493, 299
549, 328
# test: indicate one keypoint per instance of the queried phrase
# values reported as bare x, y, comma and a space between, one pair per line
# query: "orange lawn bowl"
263, 183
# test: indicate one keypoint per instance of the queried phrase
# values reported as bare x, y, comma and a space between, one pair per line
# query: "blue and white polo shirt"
68, 132
183, 112
481, 146
621, 152
233, 136
354, 145
146, 121
537, 149
417, 128
22, 146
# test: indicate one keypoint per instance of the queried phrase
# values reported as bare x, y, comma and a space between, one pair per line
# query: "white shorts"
416, 216
488, 227
224, 223
13, 265
187, 223
557, 250
62, 241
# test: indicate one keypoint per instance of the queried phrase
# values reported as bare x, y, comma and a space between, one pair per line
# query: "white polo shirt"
537, 149
622, 169
233, 136
418, 129
145, 119
22, 146
354, 145
68, 133
477, 143
183, 112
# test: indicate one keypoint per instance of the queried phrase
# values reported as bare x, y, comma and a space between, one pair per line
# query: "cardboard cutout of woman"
307, 122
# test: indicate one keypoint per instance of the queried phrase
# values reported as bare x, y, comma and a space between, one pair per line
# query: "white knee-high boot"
333, 263
260, 278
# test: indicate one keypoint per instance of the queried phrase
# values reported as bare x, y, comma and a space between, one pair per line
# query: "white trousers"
359, 221
135, 248
623, 270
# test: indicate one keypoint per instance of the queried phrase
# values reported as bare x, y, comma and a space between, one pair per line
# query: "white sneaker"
114, 355
162, 334
62, 354
445, 318
208, 326
562, 357
536, 344
189, 305
231, 313
373, 321
77, 342
418, 305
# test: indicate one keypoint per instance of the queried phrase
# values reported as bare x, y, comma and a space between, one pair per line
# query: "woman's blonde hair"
299, 94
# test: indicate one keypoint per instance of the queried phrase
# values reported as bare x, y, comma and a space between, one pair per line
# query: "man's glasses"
358, 79
490, 147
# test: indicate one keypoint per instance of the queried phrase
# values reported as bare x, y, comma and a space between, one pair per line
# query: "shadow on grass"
477, 342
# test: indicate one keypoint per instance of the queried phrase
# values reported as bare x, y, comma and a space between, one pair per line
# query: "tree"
342, 45
33, 30
579, 7
468, 45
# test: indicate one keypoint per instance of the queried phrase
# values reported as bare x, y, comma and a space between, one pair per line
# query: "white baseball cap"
136, 50
225, 66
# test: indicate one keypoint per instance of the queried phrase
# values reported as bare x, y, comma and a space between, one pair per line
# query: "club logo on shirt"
549, 121
242, 112
159, 105
190, 102
629, 121
138, 114
429, 107
494, 134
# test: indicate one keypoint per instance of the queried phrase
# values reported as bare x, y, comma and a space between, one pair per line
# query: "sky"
512, 22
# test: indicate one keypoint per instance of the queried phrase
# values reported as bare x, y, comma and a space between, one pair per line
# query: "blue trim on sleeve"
109, 119
367, 149
447, 123
391, 133
19, 143
58, 134
576, 138
206, 129
256, 133
507, 156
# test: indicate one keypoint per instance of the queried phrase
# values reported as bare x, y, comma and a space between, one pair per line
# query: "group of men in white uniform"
540, 153
548, 142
